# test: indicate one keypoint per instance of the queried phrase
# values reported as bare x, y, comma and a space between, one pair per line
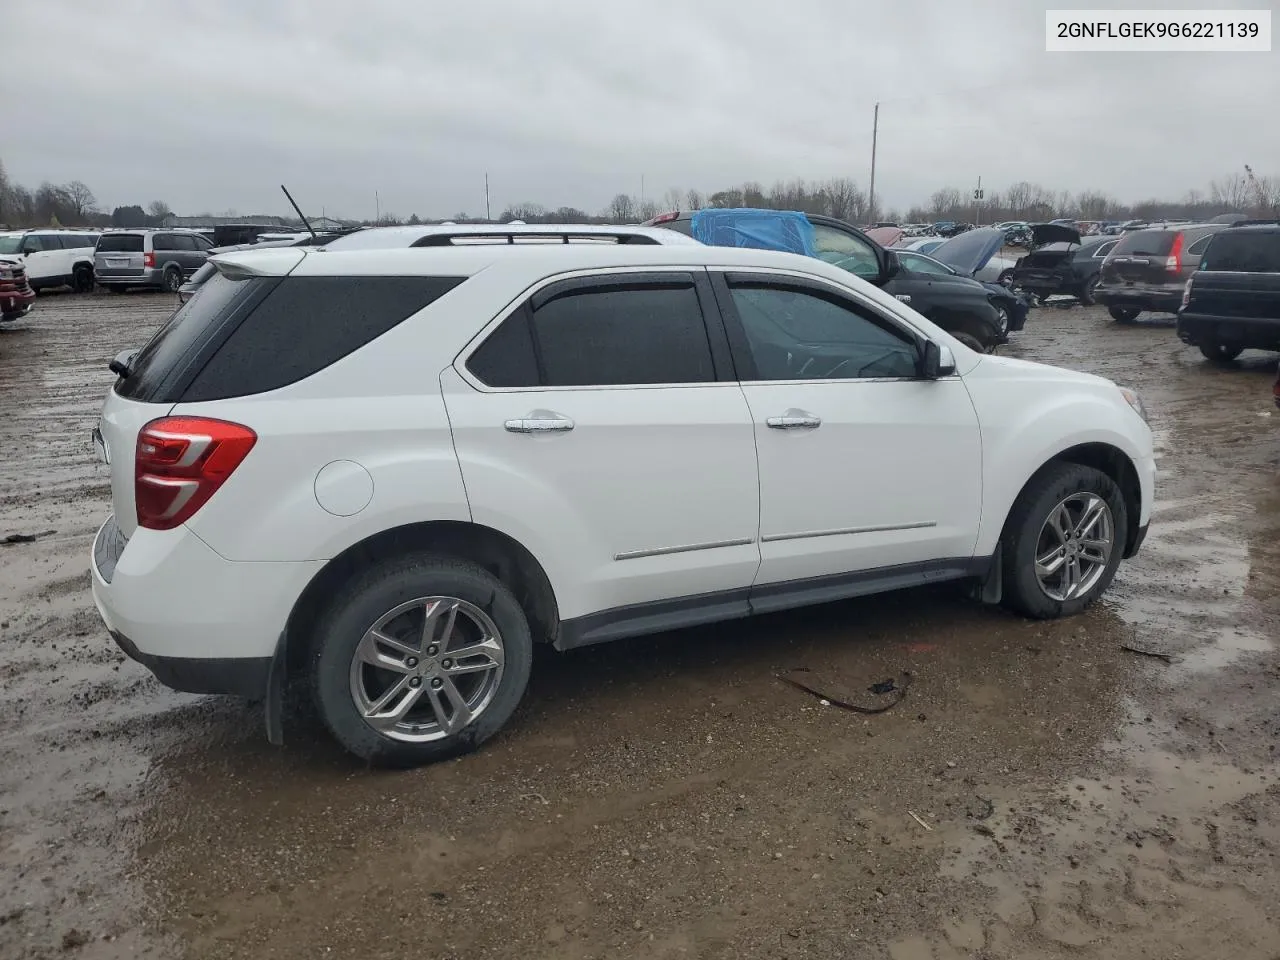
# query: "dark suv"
1147, 269
1232, 303
152, 259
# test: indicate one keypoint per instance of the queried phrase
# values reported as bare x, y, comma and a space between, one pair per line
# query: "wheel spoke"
475, 657
369, 653
1089, 519
1060, 523
1095, 551
450, 720
1071, 580
376, 710
1050, 563
435, 612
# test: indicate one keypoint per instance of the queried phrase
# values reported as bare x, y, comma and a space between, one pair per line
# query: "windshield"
11, 243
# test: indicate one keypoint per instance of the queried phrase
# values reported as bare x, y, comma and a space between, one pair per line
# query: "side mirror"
938, 361
892, 266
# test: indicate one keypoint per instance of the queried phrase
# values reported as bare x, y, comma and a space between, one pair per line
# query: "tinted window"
1198, 247
506, 358
163, 241
1102, 249
623, 335
176, 340
202, 243
1248, 251
120, 243
182, 241
1151, 243
800, 335
918, 264
10, 243
846, 250
305, 324
37, 241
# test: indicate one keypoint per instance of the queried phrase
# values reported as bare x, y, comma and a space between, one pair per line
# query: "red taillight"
149, 259
1174, 260
181, 462
665, 217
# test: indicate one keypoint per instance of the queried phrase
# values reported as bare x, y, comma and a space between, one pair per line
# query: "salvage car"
1011, 308
458, 463
1148, 269
963, 309
1232, 302
16, 295
1063, 264
974, 254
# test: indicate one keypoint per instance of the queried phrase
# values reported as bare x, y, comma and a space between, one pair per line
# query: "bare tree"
1231, 192
946, 202
528, 212
694, 200
1094, 205
158, 210
726, 198
621, 209
647, 210
673, 199
83, 202
844, 200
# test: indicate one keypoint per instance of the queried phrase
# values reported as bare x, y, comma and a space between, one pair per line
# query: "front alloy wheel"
1075, 546
427, 669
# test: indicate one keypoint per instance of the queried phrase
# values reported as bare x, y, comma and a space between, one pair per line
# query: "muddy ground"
1041, 792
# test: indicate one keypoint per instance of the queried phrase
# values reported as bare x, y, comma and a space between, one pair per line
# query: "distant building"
208, 223
326, 224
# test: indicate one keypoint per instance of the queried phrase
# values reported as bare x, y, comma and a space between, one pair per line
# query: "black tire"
1022, 590
1006, 277
172, 279
1124, 314
1002, 318
358, 605
1087, 297
82, 279
1220, 352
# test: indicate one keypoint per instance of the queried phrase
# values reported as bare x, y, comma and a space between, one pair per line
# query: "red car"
16, 295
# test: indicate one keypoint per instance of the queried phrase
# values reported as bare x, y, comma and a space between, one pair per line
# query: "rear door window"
1146, 243
163, 241
181, 241
120, 243
303, 325
1245, 252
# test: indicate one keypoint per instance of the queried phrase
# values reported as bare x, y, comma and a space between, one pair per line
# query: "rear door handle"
539, 425
794, 422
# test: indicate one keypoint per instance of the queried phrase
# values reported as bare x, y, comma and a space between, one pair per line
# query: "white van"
54, 258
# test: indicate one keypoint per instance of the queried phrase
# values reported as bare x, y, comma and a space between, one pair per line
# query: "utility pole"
977, 204
487, 215
871, 195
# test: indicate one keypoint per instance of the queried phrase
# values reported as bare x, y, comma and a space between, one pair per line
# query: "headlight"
6, 273
1135, 401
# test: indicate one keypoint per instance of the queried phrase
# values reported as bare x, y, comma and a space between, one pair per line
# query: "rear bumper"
1153, 299
146, 277
1249, 332
199, 622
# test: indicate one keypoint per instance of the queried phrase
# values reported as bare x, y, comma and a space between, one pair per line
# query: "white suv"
54, 258
390, 472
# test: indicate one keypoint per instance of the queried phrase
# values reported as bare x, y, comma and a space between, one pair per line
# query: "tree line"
73, 204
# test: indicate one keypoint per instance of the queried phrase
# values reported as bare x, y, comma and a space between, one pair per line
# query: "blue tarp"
786, 230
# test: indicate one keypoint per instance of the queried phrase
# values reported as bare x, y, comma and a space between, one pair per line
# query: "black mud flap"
991, 589
273, 705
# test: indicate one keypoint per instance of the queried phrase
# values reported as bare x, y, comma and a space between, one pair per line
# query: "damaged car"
1062, 263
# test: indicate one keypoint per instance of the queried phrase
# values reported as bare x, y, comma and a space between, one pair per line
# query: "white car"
391, 472
53, 258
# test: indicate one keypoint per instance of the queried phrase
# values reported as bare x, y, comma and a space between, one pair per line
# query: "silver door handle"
794, 423
539, 425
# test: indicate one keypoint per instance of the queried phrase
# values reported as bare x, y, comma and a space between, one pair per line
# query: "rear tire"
1220, 352
1030, 544
1124, 314
1087, 297
172, 279
342, 678
82, 280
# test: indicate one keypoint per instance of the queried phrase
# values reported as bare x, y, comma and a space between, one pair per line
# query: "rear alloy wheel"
172, 279
1220, 352
1087, 297
419, 660
1124, 314
1063, 541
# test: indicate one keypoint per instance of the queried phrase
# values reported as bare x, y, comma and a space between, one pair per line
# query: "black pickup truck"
1232, 302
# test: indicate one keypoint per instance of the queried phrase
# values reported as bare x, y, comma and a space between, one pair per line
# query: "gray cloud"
210, 106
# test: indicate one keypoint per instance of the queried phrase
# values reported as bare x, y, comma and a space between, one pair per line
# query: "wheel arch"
1107, 459
501, 555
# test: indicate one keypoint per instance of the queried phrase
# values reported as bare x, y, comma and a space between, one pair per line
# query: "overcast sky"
210, 105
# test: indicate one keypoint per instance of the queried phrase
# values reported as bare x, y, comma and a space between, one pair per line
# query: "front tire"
420, 659
1063, 541
1220, 352
82, 280
1124, 314
1087, 297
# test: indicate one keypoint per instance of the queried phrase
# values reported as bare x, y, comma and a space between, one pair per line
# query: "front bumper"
16, 303
199, 622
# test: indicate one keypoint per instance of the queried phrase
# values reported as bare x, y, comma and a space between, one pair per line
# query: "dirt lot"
1041, 792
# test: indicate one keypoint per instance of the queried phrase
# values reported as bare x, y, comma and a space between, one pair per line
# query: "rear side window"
43, 242
1245, 252
1150, 243
120, 243
305, 324
614, 335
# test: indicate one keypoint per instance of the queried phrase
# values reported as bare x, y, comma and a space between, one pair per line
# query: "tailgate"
122, 421
119, 254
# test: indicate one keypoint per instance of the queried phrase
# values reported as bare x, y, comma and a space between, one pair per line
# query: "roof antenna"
310, 230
